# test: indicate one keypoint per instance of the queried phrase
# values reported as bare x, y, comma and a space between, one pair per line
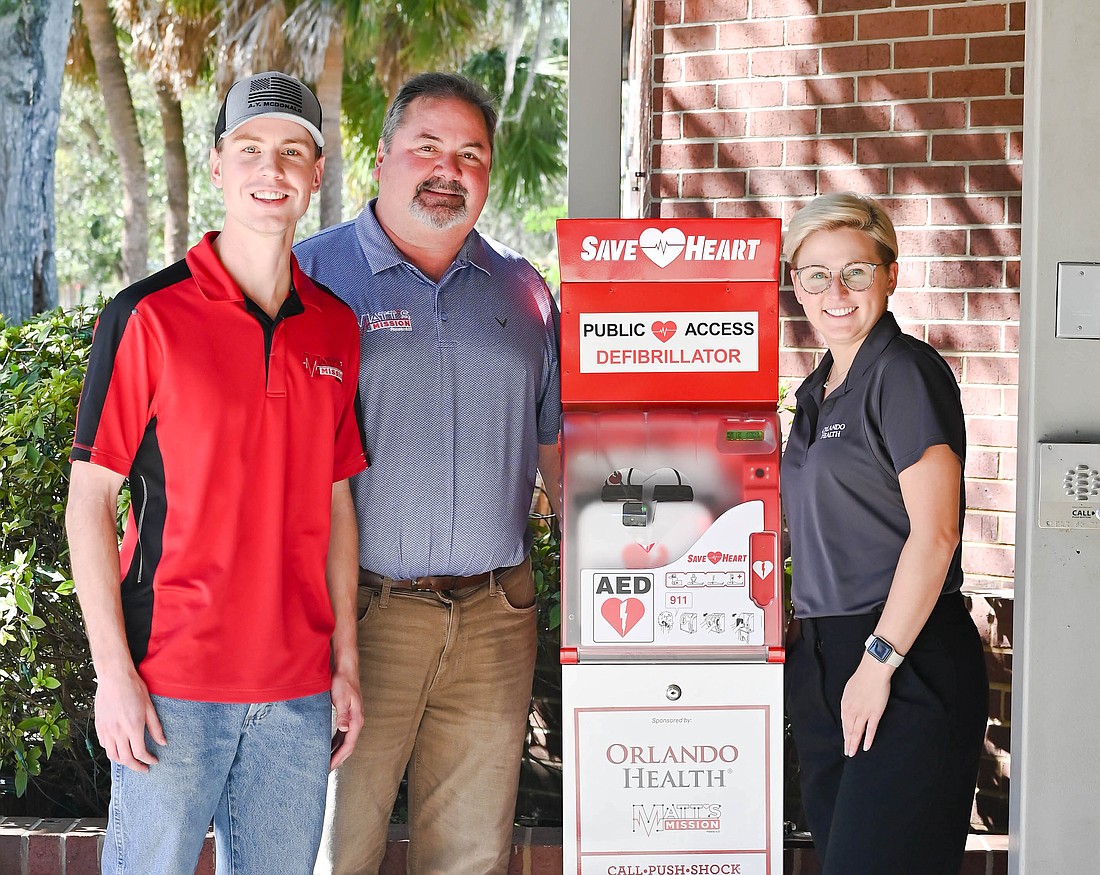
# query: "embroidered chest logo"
323, 366
390, 320
832, 431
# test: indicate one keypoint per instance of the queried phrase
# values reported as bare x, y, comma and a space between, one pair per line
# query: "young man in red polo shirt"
223, 389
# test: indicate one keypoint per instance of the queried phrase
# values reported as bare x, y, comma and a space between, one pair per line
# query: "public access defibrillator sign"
669, 341
674, 789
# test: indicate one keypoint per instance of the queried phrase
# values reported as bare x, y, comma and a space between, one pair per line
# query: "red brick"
778, 8
206, 865
771, 183
989, 558
683, 155
931, 242
821, 151
667, 70
1011, 393
926, 54
998, 112
863, 56
892, 150
983, 464
666, 126
674, 98
667, 12
893, 25
852, 5
784, 123
664, 184
990, 495
995, 177
995, 241
798, 334
820, 92
1001, 370
82, 853
1011, 343
1017, 14
1012, 274
997, 49
750, 153
855, 119
748, 209
871, 181
788, 303
689, 38
43, 853
713, 125
981, 401
906, 211
968, 147
749, 34
969, 83
927, 305
1016, 80
715, 10
964, 337
795, 364
966, 274
913, 274
750, 93
818, 30
893, 86
914, 329
713, 184
722, 65
1014, 206
970, 19
686, 210
968, 211
11, 851
785, 62
938, 178
945, 115
993, 306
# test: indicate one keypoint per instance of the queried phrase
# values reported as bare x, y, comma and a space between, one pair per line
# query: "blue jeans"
258, 771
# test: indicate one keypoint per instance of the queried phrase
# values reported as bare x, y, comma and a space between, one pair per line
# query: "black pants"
904, 805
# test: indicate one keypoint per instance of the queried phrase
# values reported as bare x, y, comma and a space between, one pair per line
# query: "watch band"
883, 650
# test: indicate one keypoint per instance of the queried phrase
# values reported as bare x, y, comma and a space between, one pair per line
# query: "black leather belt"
431, 583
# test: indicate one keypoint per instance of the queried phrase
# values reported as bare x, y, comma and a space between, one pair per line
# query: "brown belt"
433, 583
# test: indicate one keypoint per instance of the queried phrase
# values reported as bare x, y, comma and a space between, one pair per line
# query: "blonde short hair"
831, 212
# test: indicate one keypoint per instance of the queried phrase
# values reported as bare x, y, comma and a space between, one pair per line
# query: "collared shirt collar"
216, 284
877, 339
382, 254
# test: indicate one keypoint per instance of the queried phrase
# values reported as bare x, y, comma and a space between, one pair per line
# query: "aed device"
672, 603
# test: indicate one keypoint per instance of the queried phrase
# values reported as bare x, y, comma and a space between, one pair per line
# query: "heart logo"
637, 555
663, 331
623, 614
662, 247
715, 557
762, 568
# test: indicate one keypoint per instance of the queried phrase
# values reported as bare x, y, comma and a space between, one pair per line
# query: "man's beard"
439, 216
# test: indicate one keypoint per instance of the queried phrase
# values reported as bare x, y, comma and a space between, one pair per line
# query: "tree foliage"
45, 669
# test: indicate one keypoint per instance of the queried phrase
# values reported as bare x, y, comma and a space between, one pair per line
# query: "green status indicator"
745, 434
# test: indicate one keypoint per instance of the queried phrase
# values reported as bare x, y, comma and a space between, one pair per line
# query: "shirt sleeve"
117, 398
549, 405
350, 455
920, 408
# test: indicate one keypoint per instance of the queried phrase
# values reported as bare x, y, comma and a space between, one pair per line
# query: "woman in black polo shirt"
886, 684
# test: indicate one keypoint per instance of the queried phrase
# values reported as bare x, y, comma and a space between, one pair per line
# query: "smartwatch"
883, 651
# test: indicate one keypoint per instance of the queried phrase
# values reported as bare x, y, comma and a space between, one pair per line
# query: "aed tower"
672, 600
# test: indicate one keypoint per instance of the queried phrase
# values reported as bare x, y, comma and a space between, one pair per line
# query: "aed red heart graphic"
663, 331
623, 614
715, 556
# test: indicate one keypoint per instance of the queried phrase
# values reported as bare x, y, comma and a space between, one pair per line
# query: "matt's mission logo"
664, 247
323, 366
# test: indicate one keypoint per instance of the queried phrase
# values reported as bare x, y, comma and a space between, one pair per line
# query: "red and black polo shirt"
231, 427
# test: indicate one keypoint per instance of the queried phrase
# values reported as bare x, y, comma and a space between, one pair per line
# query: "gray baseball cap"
269, 95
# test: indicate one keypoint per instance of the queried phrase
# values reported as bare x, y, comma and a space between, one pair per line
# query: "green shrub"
45, 669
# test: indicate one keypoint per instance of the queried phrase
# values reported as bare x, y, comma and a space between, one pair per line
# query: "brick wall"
759, 105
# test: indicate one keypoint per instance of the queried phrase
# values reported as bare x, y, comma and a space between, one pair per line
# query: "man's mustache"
439, 184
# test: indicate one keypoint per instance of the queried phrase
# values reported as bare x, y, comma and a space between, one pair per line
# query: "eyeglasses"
857, 276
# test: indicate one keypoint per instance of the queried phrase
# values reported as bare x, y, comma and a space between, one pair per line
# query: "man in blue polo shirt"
460, 390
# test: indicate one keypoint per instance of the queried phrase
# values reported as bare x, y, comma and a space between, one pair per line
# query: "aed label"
624, 584
669, 342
